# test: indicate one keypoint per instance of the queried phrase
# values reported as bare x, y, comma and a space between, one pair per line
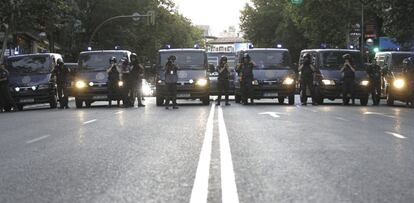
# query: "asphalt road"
260, 153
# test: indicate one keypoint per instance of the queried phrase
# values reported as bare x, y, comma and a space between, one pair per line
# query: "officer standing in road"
245, 69
374, 73
127, 88
348, 79
61, 74
6, 100
171, 78
113, 82
135, 80
307, 71
223, 80
408, 69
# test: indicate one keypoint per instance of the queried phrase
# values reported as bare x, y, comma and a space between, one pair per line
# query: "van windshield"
98, 61
397, 60
29, 65
186, 60
271, 59
334, 60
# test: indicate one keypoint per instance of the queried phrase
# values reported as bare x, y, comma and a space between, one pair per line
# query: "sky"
218, 14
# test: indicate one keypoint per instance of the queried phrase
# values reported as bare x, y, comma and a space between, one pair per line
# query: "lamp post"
135, 16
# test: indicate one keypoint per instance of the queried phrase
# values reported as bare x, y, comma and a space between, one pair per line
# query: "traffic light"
151, 18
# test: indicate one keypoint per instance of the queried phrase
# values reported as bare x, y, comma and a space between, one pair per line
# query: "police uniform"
113, 88
127, 88
62, 77
246, 81
6, 100
171, 79
223, 82
348, 82
135, 81
306, 82
374, 73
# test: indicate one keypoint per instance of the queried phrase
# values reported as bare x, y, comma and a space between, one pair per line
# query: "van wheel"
319, 100
281, 100
390, 99
53, 102
206, 100
237, 99
79, 103
20, 107
88, 104
291, 99
363, 101
159, 100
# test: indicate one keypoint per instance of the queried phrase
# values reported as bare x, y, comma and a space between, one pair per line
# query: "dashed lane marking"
37, 139
90, 121
396, 135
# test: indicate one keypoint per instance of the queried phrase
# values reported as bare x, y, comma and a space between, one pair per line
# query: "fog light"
201, 82
399, 83
365, 83
121, 83
17, 89
91, 84
288, 81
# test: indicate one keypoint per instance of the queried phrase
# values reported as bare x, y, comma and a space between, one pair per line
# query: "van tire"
390, 99
237, 99
79, 103
291, 99
20, 107
53, 102
206, 100
281, 100
363, 101
159, 101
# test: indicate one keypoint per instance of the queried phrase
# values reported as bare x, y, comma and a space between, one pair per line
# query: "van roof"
265, 49
330, 50
104, 51
394, 52
39, 54
180, 50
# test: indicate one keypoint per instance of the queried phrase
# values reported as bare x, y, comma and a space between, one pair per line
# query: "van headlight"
17, 89
255, 82
80, 84
120, 83
399, 83
364, 83
201, 82
288, 81
328, 82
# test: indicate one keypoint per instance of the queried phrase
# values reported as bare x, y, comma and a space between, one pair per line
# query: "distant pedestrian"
223, 80
348, 79
171, 79
113, 82
6, 101
135, 80
61, 74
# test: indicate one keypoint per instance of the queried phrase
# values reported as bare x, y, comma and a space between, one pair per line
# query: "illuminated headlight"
80, 84
255, 82
146, 89
191, 81
328, 82
34, 88
43, 87
399, 83
91, 84
364, 83
160, 82
201, 82
288, 81
121, 83
17, 89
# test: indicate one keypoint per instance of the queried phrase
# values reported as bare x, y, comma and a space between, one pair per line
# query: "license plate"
31, 100
213, 78
100, 97
183, 95
270, 94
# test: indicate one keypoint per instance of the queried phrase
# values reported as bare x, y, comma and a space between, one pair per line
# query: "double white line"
199, 193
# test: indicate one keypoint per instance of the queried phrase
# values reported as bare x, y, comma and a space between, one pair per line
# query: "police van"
274, 76
214, 62
31, 79
91, 78
394, 84
329, 85
193, 76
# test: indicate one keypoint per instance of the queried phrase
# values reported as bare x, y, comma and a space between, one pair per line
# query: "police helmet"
59, 61
347, 57
134, 55
246, 56
408, 63
223, 58
172, 58
112, 59
307, 56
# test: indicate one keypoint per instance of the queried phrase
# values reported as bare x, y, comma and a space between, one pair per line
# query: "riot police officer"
171, 78
135, 80
61, 74
223, 80
245, 70
6, 100
126, 88
408, 69
348, 79
307, 71
113, 82
374, 73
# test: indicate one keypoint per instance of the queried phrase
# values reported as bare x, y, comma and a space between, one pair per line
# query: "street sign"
297, 2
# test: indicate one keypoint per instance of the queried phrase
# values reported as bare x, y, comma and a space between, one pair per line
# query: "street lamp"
135, 16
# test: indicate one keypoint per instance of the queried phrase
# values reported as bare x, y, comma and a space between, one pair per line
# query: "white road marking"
88, 122
272, 114
200, 187
228, 180
340, 118
119, 112
37, 139
396, 135
378, 114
